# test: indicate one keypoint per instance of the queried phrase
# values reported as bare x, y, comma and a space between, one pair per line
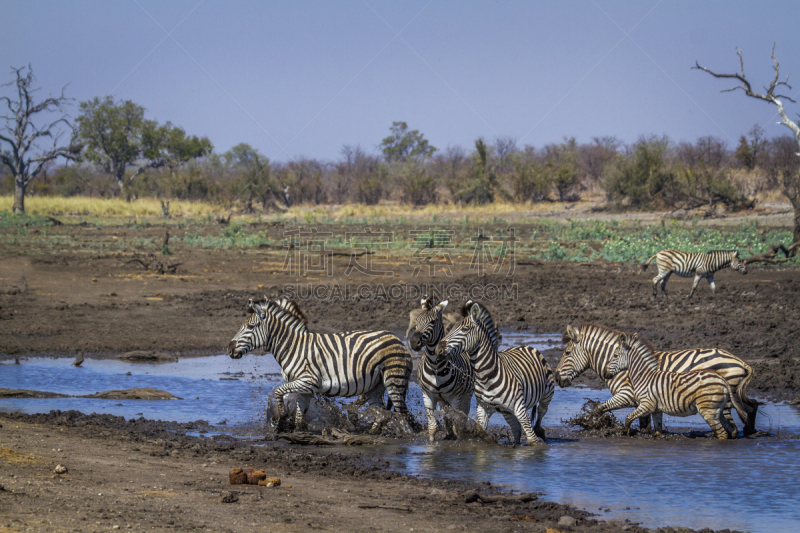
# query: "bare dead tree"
771, 255
27, 159
790, 182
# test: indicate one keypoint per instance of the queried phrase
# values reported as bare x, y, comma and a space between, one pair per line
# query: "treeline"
654, 172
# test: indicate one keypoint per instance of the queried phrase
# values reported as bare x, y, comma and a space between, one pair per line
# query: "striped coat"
592, 346
447, 380
686, 264
338, 364
510, 382
674, 393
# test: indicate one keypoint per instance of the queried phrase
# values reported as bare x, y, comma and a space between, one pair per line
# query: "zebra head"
574, 360
429, 328
621, 360
251, 335
737, 264
465, 337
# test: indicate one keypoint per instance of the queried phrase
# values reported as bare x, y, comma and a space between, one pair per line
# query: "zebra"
684, 264
447, 380
592, 345
674, 393
509, 382
339, 364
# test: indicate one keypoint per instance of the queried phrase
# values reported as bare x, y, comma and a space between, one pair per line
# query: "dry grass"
10, 456
81, 205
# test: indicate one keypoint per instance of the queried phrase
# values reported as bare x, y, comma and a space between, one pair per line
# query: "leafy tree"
254, 180
26, 158
639, 179
480, 186
403, 144
418, 183
117, 135
112, 135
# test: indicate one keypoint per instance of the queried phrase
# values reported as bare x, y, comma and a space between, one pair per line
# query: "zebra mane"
486, 318
584, 328
429, 303
288, 312
644, 342
643, 348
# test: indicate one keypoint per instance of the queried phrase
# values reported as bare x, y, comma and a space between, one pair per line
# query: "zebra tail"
647, 263
735, 401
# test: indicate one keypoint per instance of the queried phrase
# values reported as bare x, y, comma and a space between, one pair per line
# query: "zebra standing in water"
448, 380
674, 393
338, 364
509, 382
684, 264
592, 346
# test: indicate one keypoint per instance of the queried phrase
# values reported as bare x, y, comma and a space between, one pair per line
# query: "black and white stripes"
510, 382
592, 346
448, 380
686, 264
674, 393
338, 364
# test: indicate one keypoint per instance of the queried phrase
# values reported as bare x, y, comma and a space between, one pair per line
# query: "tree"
117, 135
168, 146
26, 159
480, 186
403, 144
254, 179
789, 181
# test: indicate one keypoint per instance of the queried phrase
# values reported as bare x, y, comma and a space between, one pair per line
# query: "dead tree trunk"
790, 184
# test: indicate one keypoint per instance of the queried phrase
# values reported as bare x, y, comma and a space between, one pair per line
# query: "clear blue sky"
309, 77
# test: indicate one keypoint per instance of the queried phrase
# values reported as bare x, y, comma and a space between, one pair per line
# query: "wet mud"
140, 474
102, 306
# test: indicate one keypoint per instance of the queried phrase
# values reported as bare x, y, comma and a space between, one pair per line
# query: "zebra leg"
617, 401
655, 284
301, 386
664, 284
711, 283
430, 410
541, 410
712, 413
482, 415
658, 426
645, 408
302, 408
522, 418
516, 428
697, 278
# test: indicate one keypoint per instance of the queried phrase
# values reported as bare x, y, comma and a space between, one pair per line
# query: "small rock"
61, 469
115, 527
229, 498
566, 521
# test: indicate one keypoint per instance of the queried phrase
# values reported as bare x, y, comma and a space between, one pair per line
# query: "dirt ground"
60, 305
141, 475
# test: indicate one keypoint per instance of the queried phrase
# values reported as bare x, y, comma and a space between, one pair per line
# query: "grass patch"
81, 205
11, 456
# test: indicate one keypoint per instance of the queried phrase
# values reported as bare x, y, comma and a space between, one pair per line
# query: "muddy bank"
146, 393
140, 474
103, 306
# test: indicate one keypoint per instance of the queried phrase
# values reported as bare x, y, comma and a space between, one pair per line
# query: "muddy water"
748, 484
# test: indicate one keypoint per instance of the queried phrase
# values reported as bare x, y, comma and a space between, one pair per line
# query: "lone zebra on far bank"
684, 264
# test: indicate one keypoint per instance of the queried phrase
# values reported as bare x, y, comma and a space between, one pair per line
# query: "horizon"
303, 80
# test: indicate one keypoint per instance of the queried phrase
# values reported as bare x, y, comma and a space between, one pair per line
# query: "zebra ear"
441, 306
258, 310
475, 314
624, 341
572, 334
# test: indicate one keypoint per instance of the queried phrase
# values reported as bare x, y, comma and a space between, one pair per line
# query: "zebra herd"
467, 362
